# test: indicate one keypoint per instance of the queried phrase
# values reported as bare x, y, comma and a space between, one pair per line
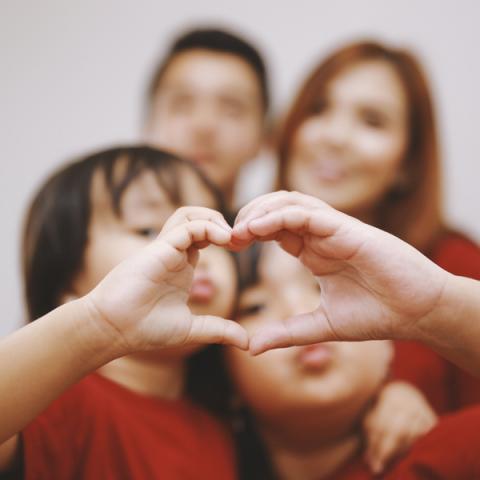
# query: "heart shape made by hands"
368, 279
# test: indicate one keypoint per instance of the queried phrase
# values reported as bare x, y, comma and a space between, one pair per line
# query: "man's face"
208, 108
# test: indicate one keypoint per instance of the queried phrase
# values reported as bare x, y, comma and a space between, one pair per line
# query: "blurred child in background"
298, 412
131, 418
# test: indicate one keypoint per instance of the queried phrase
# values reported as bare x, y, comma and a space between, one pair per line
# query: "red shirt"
446, 386
99, 430
448, 452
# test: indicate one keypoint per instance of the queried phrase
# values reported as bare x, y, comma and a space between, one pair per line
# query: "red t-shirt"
99, 430
448, 452
446, 386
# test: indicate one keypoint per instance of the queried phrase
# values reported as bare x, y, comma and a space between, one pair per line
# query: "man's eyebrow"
231, 91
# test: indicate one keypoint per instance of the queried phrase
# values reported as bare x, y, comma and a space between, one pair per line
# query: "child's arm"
373, 285
399, 417
140, 305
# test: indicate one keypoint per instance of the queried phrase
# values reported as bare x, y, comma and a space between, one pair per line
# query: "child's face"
208, 108
298, 381
350, 150
144, 208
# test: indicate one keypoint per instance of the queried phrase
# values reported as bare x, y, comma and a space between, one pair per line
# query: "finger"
396, 441
418, 427
374, 439
245, 211
197, 233
171, 251
390, 448
273, 201
390, 445
239, 245
256, 208
211, 329
301, 329
295, 219
186, 214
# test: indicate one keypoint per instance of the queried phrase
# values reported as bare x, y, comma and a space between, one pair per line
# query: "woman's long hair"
413, 212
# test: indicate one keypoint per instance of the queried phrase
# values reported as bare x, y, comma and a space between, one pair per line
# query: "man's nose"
204, 120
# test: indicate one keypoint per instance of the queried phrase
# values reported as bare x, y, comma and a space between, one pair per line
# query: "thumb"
303, 329
211, 329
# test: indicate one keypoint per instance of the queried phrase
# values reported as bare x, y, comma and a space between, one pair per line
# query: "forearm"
453, 330
40, 361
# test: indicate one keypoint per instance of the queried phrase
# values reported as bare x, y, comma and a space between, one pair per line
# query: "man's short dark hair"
218, 41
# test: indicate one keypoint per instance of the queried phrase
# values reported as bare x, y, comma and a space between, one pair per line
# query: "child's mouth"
202, 290
315, 357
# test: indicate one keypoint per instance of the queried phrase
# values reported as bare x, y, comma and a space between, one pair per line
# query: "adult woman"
361, 136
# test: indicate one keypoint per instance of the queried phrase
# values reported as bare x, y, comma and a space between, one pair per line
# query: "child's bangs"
168, 170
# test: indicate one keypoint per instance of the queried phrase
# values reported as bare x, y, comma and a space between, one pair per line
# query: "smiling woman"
350, 148
361, 135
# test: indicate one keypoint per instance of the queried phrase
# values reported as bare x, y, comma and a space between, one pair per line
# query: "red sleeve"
461, 256
426, 370
51, 442
458, 255
450, 451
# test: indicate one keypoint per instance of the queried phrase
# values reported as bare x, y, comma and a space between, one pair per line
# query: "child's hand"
142, 302
372, 283
400, 416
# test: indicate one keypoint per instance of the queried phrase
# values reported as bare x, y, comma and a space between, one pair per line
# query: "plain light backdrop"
73, 75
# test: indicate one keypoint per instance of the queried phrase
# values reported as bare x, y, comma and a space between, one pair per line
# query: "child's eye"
253, 309
147, 232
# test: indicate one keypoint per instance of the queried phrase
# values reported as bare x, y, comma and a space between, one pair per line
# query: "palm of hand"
150, 312
363, 297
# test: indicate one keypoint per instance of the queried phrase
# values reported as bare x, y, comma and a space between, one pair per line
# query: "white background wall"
72, 75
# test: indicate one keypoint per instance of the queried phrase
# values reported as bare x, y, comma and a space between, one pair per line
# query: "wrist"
444, 329
96, 338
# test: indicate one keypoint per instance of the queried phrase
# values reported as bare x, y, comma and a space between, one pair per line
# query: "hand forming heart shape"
366, 292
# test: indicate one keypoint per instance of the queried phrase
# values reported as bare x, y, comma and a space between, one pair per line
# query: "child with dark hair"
207, 101
134, 327
298, 412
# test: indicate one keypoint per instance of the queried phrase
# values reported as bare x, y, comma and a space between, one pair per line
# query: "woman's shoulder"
457, 253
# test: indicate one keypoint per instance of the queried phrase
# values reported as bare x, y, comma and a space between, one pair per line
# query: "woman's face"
349, 151
293, 382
